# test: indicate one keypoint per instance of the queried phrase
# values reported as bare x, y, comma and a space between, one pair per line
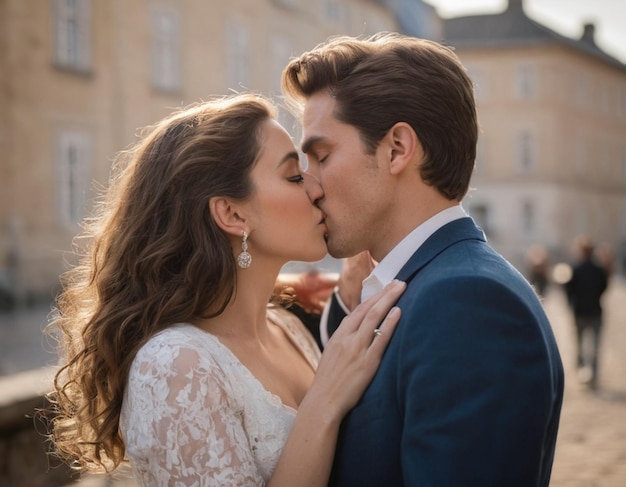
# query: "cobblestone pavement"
591, 448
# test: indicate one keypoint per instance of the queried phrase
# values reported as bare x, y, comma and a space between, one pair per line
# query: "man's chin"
334, 251
330, 249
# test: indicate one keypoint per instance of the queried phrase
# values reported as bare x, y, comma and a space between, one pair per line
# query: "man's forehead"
317, 118
317, 107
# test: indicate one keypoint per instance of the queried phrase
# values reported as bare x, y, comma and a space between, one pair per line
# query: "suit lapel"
446, 236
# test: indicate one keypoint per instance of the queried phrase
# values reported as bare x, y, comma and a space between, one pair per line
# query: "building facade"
78, 78
551, 160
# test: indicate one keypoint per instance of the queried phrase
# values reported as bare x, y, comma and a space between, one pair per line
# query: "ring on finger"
377, 332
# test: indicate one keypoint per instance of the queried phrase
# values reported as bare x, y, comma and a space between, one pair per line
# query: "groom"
469, 391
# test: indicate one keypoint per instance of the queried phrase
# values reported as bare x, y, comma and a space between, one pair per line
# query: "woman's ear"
228, 215
405, 147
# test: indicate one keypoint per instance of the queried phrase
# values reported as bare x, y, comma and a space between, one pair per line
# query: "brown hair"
156, 258
390, 78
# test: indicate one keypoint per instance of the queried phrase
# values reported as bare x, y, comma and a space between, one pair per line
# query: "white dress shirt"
388, 268
392, 263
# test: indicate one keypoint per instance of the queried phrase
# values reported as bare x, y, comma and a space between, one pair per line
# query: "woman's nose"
313, 187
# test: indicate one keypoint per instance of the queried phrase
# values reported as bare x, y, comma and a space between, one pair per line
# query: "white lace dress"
194, 415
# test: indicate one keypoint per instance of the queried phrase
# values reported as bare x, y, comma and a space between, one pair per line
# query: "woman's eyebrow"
288, 157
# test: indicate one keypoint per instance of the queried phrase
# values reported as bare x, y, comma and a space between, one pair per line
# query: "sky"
566, 17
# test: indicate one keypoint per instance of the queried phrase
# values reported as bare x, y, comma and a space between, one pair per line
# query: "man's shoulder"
471, 259
473, 274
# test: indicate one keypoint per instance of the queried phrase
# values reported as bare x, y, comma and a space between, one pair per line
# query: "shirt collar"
392, 263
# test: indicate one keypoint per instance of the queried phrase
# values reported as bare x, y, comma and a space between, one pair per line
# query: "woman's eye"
322, 159
296, 179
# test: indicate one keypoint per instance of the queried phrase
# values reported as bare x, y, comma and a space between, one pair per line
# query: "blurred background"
80, 78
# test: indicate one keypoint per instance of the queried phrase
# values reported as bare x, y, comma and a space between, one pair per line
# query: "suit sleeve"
476, 385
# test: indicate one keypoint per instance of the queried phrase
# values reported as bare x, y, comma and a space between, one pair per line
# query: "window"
604, 158
581, 217
479, 78
605, 98
281, 52
166, 65
526, 152
581, 157
622, 233
582, 90
72, 31
481, 215
479, 164
332, 11
281, 49
528, 218
237, 43
526, 81
74, 157
286, 3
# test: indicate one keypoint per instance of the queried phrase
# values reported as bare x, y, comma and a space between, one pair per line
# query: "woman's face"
284, 223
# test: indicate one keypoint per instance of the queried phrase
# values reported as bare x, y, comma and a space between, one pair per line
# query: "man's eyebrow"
306, 145
288, 157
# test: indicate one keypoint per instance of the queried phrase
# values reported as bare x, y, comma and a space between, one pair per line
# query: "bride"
172, 357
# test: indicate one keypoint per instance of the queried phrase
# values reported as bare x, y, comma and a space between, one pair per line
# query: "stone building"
551, 159
78, 78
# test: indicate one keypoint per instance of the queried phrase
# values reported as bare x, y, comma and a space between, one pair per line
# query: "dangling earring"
244, 259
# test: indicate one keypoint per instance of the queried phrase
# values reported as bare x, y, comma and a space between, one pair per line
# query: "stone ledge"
22, 394
23, 385
25, 456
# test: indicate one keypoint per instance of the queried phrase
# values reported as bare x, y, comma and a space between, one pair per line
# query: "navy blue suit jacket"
469, 390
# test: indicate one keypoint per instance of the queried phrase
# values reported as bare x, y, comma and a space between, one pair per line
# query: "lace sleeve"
183, 425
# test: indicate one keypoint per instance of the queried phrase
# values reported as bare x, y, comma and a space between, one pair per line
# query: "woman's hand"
353, 353
348, 365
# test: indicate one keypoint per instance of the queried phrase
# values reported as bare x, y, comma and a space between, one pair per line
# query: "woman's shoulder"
177, 333
181, 346
174, 337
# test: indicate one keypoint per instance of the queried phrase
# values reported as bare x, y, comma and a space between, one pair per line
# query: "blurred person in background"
171, 355
469, 390
606, 257
584, 290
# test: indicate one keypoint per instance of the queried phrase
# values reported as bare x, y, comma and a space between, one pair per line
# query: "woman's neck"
245, 315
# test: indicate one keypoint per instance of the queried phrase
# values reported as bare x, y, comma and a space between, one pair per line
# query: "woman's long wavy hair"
155, 257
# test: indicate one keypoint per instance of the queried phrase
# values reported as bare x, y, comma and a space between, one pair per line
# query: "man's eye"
296, 179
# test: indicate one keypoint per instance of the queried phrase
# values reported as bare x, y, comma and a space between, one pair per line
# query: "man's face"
353, 181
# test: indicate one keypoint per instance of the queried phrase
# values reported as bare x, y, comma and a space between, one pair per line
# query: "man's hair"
389, 78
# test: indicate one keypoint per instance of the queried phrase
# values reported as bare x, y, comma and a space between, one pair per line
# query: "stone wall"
25, 459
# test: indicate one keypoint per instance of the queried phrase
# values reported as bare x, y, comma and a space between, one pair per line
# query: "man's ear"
228, 215
405, 148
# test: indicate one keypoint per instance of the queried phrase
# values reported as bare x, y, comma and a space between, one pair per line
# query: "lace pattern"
194, 415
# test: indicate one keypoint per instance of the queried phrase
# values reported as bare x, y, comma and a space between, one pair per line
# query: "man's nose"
313, 187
